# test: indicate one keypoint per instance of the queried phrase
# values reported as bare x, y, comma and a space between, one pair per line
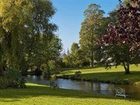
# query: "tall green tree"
89, 30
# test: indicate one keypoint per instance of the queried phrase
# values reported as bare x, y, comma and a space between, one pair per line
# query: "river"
92, 87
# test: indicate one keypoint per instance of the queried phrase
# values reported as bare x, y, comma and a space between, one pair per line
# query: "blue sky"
69, 16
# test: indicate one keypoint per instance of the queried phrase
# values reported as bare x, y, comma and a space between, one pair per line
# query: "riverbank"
100, 74
43, 95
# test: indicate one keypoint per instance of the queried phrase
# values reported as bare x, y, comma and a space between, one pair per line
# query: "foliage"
89, 31
74, 57
15, 79
50, 68
52, 65
121, 44
98, 51
27, 35
126, 2
67, 61
4, 83
12, 78
77, 74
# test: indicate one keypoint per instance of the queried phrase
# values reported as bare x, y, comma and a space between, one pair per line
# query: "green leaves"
89, 30
26, 33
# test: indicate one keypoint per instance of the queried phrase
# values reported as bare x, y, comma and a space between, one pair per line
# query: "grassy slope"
43, 95
101, 73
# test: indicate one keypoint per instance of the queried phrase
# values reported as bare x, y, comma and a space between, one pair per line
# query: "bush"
46, 74
77, 74
4, 82
12, 78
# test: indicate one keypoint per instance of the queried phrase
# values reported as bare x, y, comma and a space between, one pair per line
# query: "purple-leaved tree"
121, 44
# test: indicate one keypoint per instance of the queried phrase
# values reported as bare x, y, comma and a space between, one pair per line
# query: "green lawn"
102, 74
42, 95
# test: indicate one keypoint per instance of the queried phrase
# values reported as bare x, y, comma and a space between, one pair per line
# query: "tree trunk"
126, 67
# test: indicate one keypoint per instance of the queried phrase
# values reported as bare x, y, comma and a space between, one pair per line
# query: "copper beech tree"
121, 43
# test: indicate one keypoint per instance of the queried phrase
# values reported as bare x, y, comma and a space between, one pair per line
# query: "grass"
36, 94
102, 74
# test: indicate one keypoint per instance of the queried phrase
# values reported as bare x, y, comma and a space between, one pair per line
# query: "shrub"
77, 74
4, 82
12, 78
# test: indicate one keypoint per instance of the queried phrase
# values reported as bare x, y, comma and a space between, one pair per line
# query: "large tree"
121, 44
14, 14
25, 29
89, 30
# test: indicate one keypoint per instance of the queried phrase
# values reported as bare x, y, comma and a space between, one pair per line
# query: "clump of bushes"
4, 82
12, 78
121, 82
49, 69
77, 74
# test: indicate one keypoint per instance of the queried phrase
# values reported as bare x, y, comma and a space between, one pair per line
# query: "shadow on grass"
133, 76
12, 95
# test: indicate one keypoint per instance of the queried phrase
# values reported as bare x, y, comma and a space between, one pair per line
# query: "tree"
112, 18
126, 1
76, 55
67, 60
13, 17
88, 33
48, 53
26, 33
121, 44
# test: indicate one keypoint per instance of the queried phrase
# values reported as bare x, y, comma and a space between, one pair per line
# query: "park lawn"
43, 95
102, 74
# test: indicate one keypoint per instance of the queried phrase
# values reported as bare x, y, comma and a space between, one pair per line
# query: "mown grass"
102, 74
43, 95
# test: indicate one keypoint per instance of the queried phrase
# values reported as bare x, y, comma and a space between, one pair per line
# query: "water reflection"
95, 88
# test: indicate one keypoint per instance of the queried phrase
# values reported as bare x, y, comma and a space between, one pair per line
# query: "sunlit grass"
103, 74
43, 95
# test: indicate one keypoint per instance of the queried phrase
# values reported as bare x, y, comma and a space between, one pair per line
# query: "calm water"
95, 88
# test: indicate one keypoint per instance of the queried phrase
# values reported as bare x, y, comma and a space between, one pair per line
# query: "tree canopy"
121, 44
26, 33
89, 30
